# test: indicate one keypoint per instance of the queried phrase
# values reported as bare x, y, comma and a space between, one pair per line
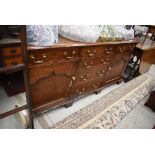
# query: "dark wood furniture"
10, 52
10, 45
133, 67
13, 59
69, 70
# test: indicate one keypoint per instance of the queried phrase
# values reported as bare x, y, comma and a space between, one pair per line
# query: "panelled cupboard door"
117, 66
50, 84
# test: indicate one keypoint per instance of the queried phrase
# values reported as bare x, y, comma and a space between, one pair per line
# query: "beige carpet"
109, 110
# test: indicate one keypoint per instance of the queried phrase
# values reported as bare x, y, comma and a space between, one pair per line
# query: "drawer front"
37, 57
89, 63
78, 90
11, 51
96, 51
12, 61
125, 47
88, 74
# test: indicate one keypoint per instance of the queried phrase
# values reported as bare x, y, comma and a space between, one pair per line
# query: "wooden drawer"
90, 62
11, 51
12, 61
88, 52
37, 57
86, 87
125, 47
89, 74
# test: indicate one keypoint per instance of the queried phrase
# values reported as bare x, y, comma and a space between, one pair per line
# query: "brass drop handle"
80, 92
100, 73
90, 54
122, 49
86, 65
84, 77
132, 47
95, 85
33, 59
103, 61
108, 52
69, 57
109, 69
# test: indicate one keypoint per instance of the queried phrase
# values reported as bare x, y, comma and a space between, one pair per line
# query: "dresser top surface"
69, 43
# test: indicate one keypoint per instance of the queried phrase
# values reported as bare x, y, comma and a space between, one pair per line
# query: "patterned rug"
108, 111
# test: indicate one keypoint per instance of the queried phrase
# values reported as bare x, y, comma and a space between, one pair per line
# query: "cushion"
81, 33
42, 35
